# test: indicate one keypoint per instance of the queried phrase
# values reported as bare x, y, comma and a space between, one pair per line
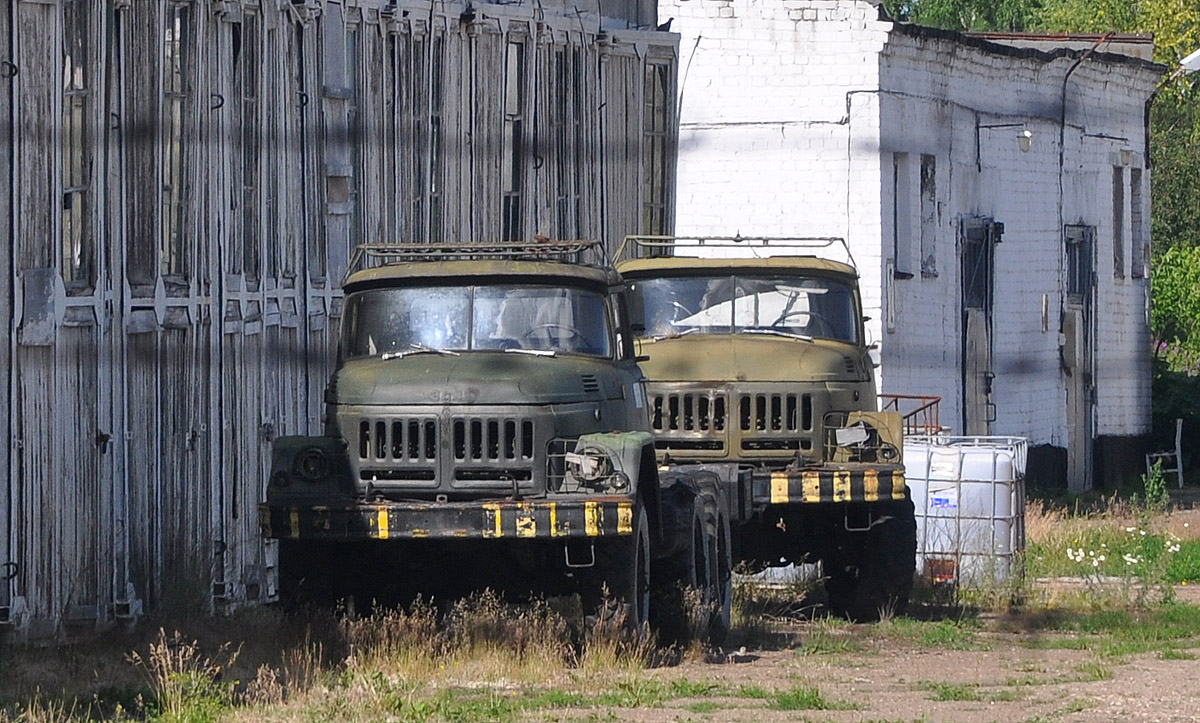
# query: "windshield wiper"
531, 352
675, 335
416, 349
776, 332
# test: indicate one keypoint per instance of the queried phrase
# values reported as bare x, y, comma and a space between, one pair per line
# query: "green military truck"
759, 360
487, 426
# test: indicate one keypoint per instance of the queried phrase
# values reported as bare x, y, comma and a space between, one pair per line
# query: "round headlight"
312, 465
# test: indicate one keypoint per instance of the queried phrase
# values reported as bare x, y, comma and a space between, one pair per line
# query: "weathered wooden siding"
232, 154
7, 531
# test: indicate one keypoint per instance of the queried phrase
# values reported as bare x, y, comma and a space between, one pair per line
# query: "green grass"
806, 698
943, 634
943, 692
1093, 671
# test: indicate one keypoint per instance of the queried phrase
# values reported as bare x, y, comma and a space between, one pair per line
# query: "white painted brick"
796, 80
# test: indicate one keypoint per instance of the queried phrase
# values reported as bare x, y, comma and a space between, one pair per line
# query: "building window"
902, 236
78, 236
929, 215
1079, 241
512, 169
1137, 231
656, 117
567, 127
177, 39
1118, 221
247, 60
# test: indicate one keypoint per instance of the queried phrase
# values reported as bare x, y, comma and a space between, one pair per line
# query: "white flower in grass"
1129, 559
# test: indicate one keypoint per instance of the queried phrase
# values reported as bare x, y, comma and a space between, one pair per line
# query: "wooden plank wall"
7, 532
225, 190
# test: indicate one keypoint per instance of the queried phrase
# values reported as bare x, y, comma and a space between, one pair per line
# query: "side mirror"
636, 310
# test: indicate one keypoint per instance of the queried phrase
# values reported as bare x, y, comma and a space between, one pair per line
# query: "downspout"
1062, 123
1062, 134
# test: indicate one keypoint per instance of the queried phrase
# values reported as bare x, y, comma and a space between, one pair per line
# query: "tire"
305, 574
720, 578
686, 569
870, 574
623, 569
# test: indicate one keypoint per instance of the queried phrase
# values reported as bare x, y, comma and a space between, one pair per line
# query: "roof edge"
1045, 56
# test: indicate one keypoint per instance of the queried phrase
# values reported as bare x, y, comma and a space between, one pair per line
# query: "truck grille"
775, 413
397, 440
447, 452
478, 439
688, 412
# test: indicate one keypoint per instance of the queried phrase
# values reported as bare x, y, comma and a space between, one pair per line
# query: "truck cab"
757, 357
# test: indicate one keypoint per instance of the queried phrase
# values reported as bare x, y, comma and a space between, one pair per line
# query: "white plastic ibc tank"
969, 498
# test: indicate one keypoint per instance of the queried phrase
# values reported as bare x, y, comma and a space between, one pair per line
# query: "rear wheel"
870, 574
720, 578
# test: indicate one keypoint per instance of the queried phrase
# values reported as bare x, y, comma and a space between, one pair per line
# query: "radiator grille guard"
733, 421
455, 453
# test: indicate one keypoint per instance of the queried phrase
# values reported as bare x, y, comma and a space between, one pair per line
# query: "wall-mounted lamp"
1024, 137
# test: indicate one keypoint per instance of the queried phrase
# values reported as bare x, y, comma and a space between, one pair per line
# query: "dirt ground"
892, 681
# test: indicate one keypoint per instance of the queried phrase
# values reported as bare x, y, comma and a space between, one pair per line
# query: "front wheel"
623, 569
870, 574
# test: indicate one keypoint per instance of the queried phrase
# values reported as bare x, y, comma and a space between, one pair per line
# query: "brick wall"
803, 117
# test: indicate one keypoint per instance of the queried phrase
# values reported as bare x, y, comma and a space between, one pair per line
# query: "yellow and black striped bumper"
540, 519
835, 484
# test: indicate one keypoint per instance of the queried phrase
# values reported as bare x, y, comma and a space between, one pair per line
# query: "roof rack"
585, 252
638, 247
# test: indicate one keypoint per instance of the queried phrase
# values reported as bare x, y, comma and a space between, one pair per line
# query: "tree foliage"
1014, 15
1175, 314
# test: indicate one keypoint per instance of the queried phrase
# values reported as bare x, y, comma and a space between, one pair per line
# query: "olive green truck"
488, 425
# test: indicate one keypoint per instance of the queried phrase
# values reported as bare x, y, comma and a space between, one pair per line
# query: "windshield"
475, 318
802, 306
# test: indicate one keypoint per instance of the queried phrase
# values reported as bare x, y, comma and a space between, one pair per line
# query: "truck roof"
387, 264
678, 265
475, 269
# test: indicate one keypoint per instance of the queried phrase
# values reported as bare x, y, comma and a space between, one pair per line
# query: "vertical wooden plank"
36, 196
140, 124
7, 491
143, 422
77, 489
185, 528
37, 519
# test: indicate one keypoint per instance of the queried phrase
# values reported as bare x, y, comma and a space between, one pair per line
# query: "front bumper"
351, 521
835, 483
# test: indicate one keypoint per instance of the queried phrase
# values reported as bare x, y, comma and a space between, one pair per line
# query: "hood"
750, 358
475, 378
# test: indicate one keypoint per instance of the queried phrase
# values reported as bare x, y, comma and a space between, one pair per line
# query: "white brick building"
996, 199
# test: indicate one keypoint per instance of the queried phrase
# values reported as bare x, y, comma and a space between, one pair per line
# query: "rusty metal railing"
919, 413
